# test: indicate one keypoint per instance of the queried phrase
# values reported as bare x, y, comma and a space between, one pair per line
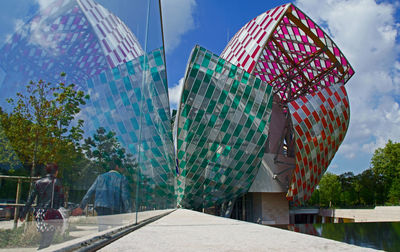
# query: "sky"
366, 31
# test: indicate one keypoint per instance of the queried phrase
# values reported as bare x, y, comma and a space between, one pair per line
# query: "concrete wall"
270, 208
378, 214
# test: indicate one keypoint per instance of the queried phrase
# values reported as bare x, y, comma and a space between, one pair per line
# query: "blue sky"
366, 31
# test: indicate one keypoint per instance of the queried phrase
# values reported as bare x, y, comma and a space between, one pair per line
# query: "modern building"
257, 126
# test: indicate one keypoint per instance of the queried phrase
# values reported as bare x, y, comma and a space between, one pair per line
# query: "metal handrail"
19, 177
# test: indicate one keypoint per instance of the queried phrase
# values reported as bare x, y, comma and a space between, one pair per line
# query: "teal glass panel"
217, 149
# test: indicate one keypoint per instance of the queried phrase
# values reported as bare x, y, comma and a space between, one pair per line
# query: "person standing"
111, 194
49, 193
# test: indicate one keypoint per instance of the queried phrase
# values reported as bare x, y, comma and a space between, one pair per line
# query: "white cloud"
177, 20
44, 3
175, 93
366, 32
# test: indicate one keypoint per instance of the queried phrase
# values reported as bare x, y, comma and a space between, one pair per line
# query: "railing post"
16, 211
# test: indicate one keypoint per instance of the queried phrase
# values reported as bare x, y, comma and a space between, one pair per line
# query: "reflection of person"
111, 195
49, 193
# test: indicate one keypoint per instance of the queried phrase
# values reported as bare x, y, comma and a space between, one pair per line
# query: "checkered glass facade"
222, 127
131, 99
320, 122
291, 53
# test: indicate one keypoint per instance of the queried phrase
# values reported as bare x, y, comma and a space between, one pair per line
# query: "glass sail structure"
83, 86
307, 119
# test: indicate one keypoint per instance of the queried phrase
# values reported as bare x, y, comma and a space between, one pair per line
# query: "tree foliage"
329, 190
378, 185
386, 166
42, 125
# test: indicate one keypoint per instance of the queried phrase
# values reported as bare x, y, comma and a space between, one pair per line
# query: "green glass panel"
199, 115
136, 109
238, 130
180, 142
208, 76
228, 180
226, 150
130, 68
232, 72
270, 103
195, 70
206, 60
196, 86
248, 123
181, 154
202, 141
210, 107
210, 91
214, 147
220, 65
113, 87
250, 159
224, 111
260, 111
234, 87
182, 165
134, 123
158, 58
238, 154
192, 160
236, 102
203, 153
239, 175
200, 129
247, 92
138, 94
223, 96
245, 77
257, 83
226, 138
247, 109
187, 124
225, 125
189, 137
212, 121
250, 135
185, 94
261, 141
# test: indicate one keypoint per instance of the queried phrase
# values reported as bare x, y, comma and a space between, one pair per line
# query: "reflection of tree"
8, 158
102, 151
376, 235
41, 126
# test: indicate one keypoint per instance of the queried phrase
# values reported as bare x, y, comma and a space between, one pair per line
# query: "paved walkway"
185, 230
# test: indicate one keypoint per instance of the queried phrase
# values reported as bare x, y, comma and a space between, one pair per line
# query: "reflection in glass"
83, 85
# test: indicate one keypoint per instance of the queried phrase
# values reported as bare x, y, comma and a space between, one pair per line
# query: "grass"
27, 236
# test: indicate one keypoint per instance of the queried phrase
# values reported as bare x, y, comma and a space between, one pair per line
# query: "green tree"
367, 184
386, 166
394, 192
329, 190
40, 126
102, 150
348, 195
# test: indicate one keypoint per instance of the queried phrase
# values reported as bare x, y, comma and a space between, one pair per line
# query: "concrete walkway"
185, 230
